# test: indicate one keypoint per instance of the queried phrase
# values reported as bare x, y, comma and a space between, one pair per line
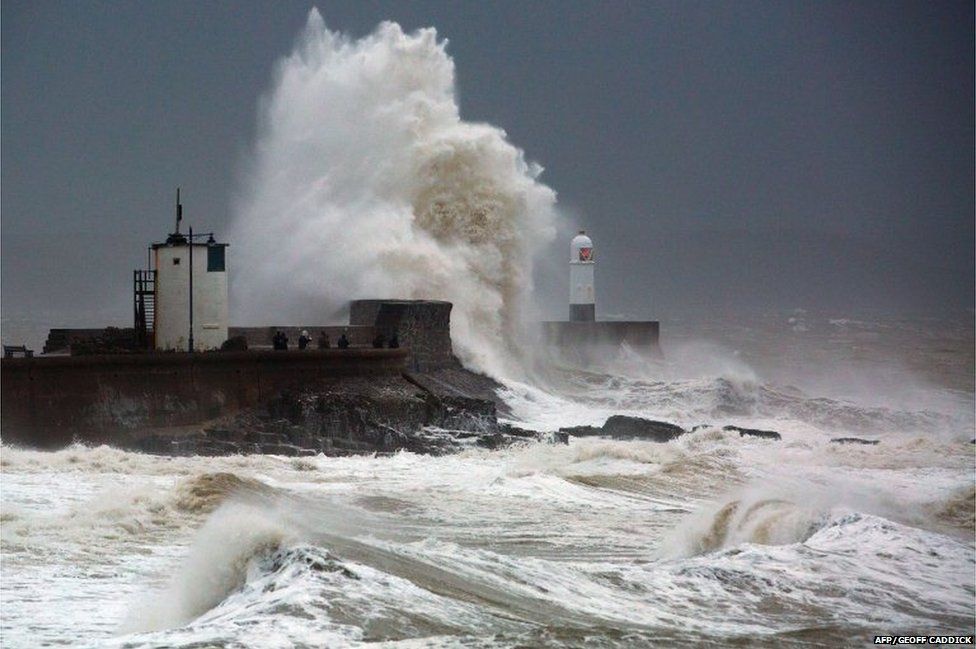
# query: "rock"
515, 431
457, 382
160, 445
754, 432
855, 440
700, 427
431, 414
356, 415
264, 438
624, 427
582, 431
463, 413
493, 441
215, 447
285, 449
222, 434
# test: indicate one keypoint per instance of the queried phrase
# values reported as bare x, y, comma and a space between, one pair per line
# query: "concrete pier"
50, 401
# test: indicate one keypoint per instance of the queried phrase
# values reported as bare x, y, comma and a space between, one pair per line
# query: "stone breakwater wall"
50, 402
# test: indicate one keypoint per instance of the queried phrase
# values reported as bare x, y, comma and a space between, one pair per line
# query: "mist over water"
365, 182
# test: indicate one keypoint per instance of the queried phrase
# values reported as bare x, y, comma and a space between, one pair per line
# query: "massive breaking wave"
366, 182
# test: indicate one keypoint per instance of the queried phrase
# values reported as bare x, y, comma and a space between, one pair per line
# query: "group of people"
280, 341
380, 340
325, 343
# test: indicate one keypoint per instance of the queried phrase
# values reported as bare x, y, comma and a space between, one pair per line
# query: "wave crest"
205, 492
765, 521
217, 565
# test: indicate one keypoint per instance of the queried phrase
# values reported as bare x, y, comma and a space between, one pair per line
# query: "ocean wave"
216, 566
591, 399
958, 510
495, 547
205, 492
765, 521
289, 592
873, 564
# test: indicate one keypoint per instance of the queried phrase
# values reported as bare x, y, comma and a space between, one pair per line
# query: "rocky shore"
624, 427
437, 412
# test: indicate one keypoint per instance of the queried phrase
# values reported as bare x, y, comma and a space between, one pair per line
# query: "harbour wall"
116, 398
422, 326
258, 337
639, 335
50, 402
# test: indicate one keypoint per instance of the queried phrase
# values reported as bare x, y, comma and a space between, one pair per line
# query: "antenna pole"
191, 289
179, 210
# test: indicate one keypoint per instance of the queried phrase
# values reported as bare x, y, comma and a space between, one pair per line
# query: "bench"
9, 351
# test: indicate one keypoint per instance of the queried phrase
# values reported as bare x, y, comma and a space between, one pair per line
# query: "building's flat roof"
180, 244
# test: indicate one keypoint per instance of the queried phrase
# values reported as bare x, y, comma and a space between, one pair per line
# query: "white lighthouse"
181, 304
582, 303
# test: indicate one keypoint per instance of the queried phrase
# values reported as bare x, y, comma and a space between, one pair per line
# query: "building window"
215, 259
176, 261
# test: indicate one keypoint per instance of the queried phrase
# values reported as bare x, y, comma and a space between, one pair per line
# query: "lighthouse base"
582, 312
641, 335
586, 343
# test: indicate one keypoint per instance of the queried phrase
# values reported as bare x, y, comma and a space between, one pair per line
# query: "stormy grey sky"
724, 155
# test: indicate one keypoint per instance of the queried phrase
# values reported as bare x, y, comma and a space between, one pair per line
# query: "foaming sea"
711, 539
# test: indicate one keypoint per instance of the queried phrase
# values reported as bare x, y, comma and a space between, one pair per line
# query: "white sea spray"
366, 182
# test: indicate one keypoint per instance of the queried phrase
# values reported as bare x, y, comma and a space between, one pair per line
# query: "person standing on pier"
280, 341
